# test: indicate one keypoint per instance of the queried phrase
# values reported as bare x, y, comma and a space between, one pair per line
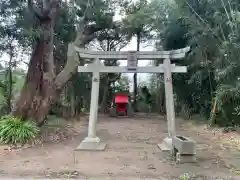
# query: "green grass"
186, 176
14, 131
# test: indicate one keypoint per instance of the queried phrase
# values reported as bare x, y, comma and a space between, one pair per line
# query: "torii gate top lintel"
96, 67
141, 55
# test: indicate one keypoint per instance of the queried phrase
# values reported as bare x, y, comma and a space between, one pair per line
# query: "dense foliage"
14, 131
210, 88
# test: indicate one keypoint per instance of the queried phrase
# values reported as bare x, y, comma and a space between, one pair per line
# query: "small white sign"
132, 61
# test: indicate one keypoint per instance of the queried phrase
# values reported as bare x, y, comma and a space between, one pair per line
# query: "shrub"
14, 131
185, 176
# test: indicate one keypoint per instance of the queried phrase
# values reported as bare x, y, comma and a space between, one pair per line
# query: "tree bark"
104, 103
39, 90
135, 77
10, 81
43, 86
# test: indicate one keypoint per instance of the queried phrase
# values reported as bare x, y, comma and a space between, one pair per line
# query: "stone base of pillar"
185, 158
91, 144
166, 145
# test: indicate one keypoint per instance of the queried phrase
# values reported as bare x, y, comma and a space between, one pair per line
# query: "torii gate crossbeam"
92, 142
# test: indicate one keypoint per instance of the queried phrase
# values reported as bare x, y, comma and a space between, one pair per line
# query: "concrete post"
92, 142
169, 97
94, 105
167, 142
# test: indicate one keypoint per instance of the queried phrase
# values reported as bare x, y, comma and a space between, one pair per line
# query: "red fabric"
121, 99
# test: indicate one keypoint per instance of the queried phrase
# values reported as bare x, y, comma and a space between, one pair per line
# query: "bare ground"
131, 153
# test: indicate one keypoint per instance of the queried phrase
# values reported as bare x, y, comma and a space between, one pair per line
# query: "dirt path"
131, 153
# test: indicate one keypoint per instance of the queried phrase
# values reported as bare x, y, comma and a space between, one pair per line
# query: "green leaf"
15, 131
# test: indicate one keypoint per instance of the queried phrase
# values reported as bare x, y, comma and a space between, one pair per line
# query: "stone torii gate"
92, 142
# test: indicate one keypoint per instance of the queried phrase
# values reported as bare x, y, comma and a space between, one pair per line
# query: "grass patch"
14, 131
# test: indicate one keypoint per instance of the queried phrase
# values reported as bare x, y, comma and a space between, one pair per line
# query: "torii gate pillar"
167, 142
92, 142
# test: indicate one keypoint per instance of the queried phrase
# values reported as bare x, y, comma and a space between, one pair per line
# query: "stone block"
184, 145
166, 145
185, 158
91, 146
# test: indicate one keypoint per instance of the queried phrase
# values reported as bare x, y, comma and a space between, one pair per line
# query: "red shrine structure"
122, 105
121, 101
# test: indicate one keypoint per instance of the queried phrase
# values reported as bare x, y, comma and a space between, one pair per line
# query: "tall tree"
9, 35
137, 23
112, 39
43, 84
161, 13
212, 30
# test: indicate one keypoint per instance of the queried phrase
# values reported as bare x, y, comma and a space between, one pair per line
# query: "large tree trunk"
39, 91
43, 86
104, 103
